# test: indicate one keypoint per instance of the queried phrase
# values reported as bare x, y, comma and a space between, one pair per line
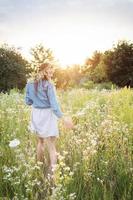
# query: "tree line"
114, 65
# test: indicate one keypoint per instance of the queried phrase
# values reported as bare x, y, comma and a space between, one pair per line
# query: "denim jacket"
45, 97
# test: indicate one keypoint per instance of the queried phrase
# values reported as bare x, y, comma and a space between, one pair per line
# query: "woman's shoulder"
30, 81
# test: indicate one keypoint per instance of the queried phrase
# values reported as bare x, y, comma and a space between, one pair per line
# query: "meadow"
95, 159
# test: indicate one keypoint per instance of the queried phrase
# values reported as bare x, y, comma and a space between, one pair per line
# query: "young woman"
46, 111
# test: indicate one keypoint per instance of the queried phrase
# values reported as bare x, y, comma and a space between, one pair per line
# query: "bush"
88, 85
13, 69
106, 85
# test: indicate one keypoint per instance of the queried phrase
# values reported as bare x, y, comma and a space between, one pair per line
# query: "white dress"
44, 123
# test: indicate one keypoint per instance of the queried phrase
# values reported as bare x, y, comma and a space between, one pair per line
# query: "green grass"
95, 159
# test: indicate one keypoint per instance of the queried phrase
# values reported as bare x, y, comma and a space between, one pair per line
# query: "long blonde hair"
41, 75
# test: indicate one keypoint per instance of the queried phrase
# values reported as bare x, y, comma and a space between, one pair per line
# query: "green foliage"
99, 86
88, 85
94, 68
119, 64
106, 85
98, 75
94, 159
13, 69
115, 65
91, 63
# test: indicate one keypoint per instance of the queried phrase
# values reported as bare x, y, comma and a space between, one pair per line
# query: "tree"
13, 69
94, 68
119, 64
91, 63
98, 74
41, 54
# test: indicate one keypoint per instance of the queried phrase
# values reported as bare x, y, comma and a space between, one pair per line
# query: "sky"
73, 29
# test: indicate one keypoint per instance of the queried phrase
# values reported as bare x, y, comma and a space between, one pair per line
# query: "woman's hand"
68, 122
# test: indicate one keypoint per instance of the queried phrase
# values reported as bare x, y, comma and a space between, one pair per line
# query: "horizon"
73, 30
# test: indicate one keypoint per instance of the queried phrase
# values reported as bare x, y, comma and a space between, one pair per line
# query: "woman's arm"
53, 101
56, 107
28, 100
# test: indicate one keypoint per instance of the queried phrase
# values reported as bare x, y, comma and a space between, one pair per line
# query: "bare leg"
52, 152
40, 149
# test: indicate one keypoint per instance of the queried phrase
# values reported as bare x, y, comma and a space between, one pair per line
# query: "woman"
46, 112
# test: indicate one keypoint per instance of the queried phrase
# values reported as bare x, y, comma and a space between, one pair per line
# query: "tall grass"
95, 158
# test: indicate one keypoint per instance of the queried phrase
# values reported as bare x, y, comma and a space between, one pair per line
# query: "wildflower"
14, 143
99, 180
89, 173
131, 169
65, 152
71, 173
72, 195
80, 113
94, 142
94, 151
67, 168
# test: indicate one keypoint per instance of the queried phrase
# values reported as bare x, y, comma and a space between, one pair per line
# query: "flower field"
95, 159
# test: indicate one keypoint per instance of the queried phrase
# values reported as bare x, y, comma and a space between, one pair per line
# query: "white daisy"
14, 143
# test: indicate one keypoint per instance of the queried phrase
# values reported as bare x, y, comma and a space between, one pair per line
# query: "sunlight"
71, 48
71, 44
72, 39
